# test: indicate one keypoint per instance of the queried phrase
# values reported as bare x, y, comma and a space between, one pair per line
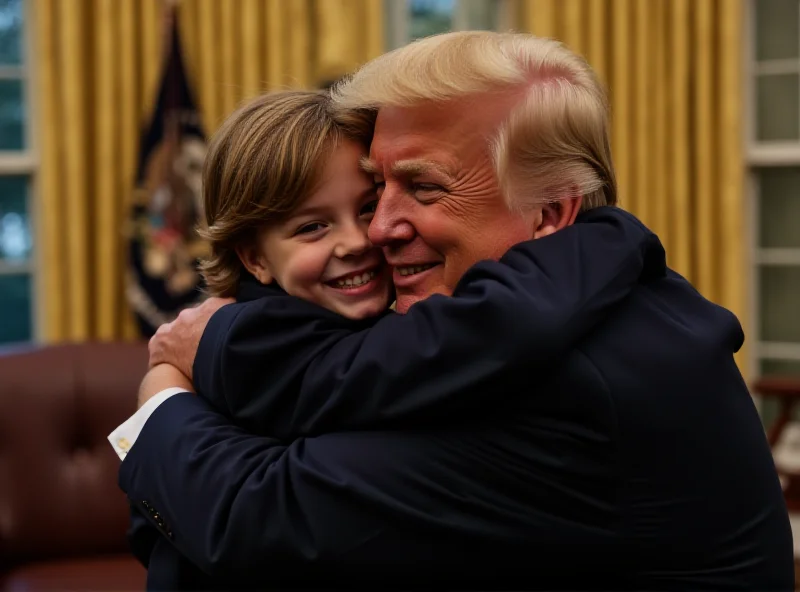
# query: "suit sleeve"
368, 504
530, 308
141, 535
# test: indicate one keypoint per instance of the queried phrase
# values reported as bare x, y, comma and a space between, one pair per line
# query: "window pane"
779, 207
778, 107
780, 368
12, 113
480, 14
769, 405
15, 308
777, 29
10, 32
15, 229
429, 17
780, 295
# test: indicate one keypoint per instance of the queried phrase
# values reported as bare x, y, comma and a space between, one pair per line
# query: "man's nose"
390, 223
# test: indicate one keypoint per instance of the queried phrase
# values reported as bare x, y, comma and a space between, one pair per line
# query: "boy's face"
321, 253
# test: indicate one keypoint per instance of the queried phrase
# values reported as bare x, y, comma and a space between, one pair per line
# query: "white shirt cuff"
124, 437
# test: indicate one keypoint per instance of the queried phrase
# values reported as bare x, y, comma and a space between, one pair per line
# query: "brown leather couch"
62, 516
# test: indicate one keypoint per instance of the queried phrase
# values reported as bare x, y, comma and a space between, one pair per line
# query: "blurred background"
706, 135
105, 107
706, 104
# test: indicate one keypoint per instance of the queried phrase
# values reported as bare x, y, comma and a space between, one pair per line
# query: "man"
638, 462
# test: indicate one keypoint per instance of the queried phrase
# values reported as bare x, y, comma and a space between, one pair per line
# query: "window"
773, 152
411, 19
17, 167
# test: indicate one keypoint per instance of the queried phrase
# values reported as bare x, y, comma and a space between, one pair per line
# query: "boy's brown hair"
263, 162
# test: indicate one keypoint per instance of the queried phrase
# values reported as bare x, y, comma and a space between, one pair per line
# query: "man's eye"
369, 208
309, 228
427, 191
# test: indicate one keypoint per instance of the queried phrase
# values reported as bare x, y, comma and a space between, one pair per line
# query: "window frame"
760, 155
26, 163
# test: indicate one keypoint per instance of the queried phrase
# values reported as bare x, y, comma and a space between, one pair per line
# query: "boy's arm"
289, 376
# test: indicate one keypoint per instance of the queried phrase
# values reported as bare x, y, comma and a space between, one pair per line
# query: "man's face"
440, 208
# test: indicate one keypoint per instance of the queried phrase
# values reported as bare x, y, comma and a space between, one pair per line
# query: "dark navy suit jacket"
572, 418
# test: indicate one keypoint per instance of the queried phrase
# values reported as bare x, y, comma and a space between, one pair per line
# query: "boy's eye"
309, 228
369, 208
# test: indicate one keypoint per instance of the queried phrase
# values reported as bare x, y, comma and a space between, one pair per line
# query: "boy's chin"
364, 310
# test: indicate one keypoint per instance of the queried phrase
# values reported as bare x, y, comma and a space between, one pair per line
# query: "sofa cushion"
108, 573
58, 473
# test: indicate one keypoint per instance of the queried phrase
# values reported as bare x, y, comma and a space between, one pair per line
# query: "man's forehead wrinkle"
411, 156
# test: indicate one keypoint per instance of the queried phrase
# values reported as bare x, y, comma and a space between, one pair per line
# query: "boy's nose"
353, 242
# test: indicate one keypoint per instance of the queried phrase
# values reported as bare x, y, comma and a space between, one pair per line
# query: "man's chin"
406, 301
408, 297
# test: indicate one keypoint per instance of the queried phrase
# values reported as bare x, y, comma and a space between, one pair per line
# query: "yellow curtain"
673, 69
97, 65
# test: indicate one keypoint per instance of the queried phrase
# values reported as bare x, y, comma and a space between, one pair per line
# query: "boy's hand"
176, 343
160, 377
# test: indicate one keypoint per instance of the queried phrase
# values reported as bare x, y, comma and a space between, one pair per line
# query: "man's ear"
557, 215
255, 262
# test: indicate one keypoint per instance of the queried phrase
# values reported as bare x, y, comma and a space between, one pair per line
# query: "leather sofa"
62, 516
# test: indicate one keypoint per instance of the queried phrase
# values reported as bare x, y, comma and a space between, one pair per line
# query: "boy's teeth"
358, 280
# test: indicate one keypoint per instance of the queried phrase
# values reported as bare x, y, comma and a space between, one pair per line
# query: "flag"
163, 246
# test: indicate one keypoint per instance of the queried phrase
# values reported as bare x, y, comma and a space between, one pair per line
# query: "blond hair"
555, 140
263, 162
